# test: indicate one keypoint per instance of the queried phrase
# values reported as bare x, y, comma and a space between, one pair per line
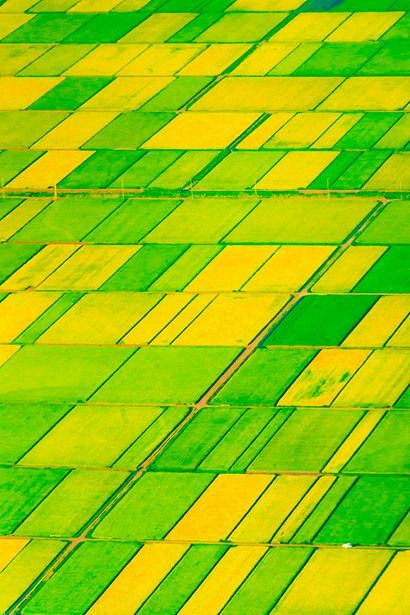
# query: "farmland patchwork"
204, 307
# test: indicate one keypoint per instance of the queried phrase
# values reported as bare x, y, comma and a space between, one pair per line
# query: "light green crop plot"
204, 307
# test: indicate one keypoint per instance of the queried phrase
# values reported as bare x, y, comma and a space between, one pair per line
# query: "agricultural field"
204, 307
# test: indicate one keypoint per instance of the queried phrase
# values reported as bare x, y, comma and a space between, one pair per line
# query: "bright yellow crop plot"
49, 170
207, 520
201, 131
21, 92
214, 59
145, 571
267, 94
264, 58
288, 269
231, 320
231, 268
369, 94
296, 170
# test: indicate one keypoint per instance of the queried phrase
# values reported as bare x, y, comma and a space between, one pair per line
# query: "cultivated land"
204, 325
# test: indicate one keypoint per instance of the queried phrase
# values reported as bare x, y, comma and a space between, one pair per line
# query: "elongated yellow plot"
353, 441
138, 579
182, 320
49, 170
364, 26
266, 93
9, 23
93, 6
157, 28
350, 267
231, 268
7, 351
261, 523
402, 335
337, 130
38, 268
369, 94
214, 59
100, 318
303, 509
201, 131
263, 58
335, 578
324, 377
19, 216
89, 267
165, 59
145, 330
379, 382
19, 310
302, 130
106, 59
232, 320
21, 92
222, 582
14, 6
380, 322
296, 170
126, 93
265, 5
218, 510
9, 549
261, 134
78, 128
391, 593
289, 268
310, 27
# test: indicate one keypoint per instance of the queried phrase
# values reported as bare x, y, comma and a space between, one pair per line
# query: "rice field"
204, 307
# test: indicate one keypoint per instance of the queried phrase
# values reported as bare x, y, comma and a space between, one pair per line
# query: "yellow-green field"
204, 307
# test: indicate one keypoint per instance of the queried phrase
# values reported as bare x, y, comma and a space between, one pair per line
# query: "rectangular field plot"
320, 320
37, 373
183, 373
301, 220
120, 436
